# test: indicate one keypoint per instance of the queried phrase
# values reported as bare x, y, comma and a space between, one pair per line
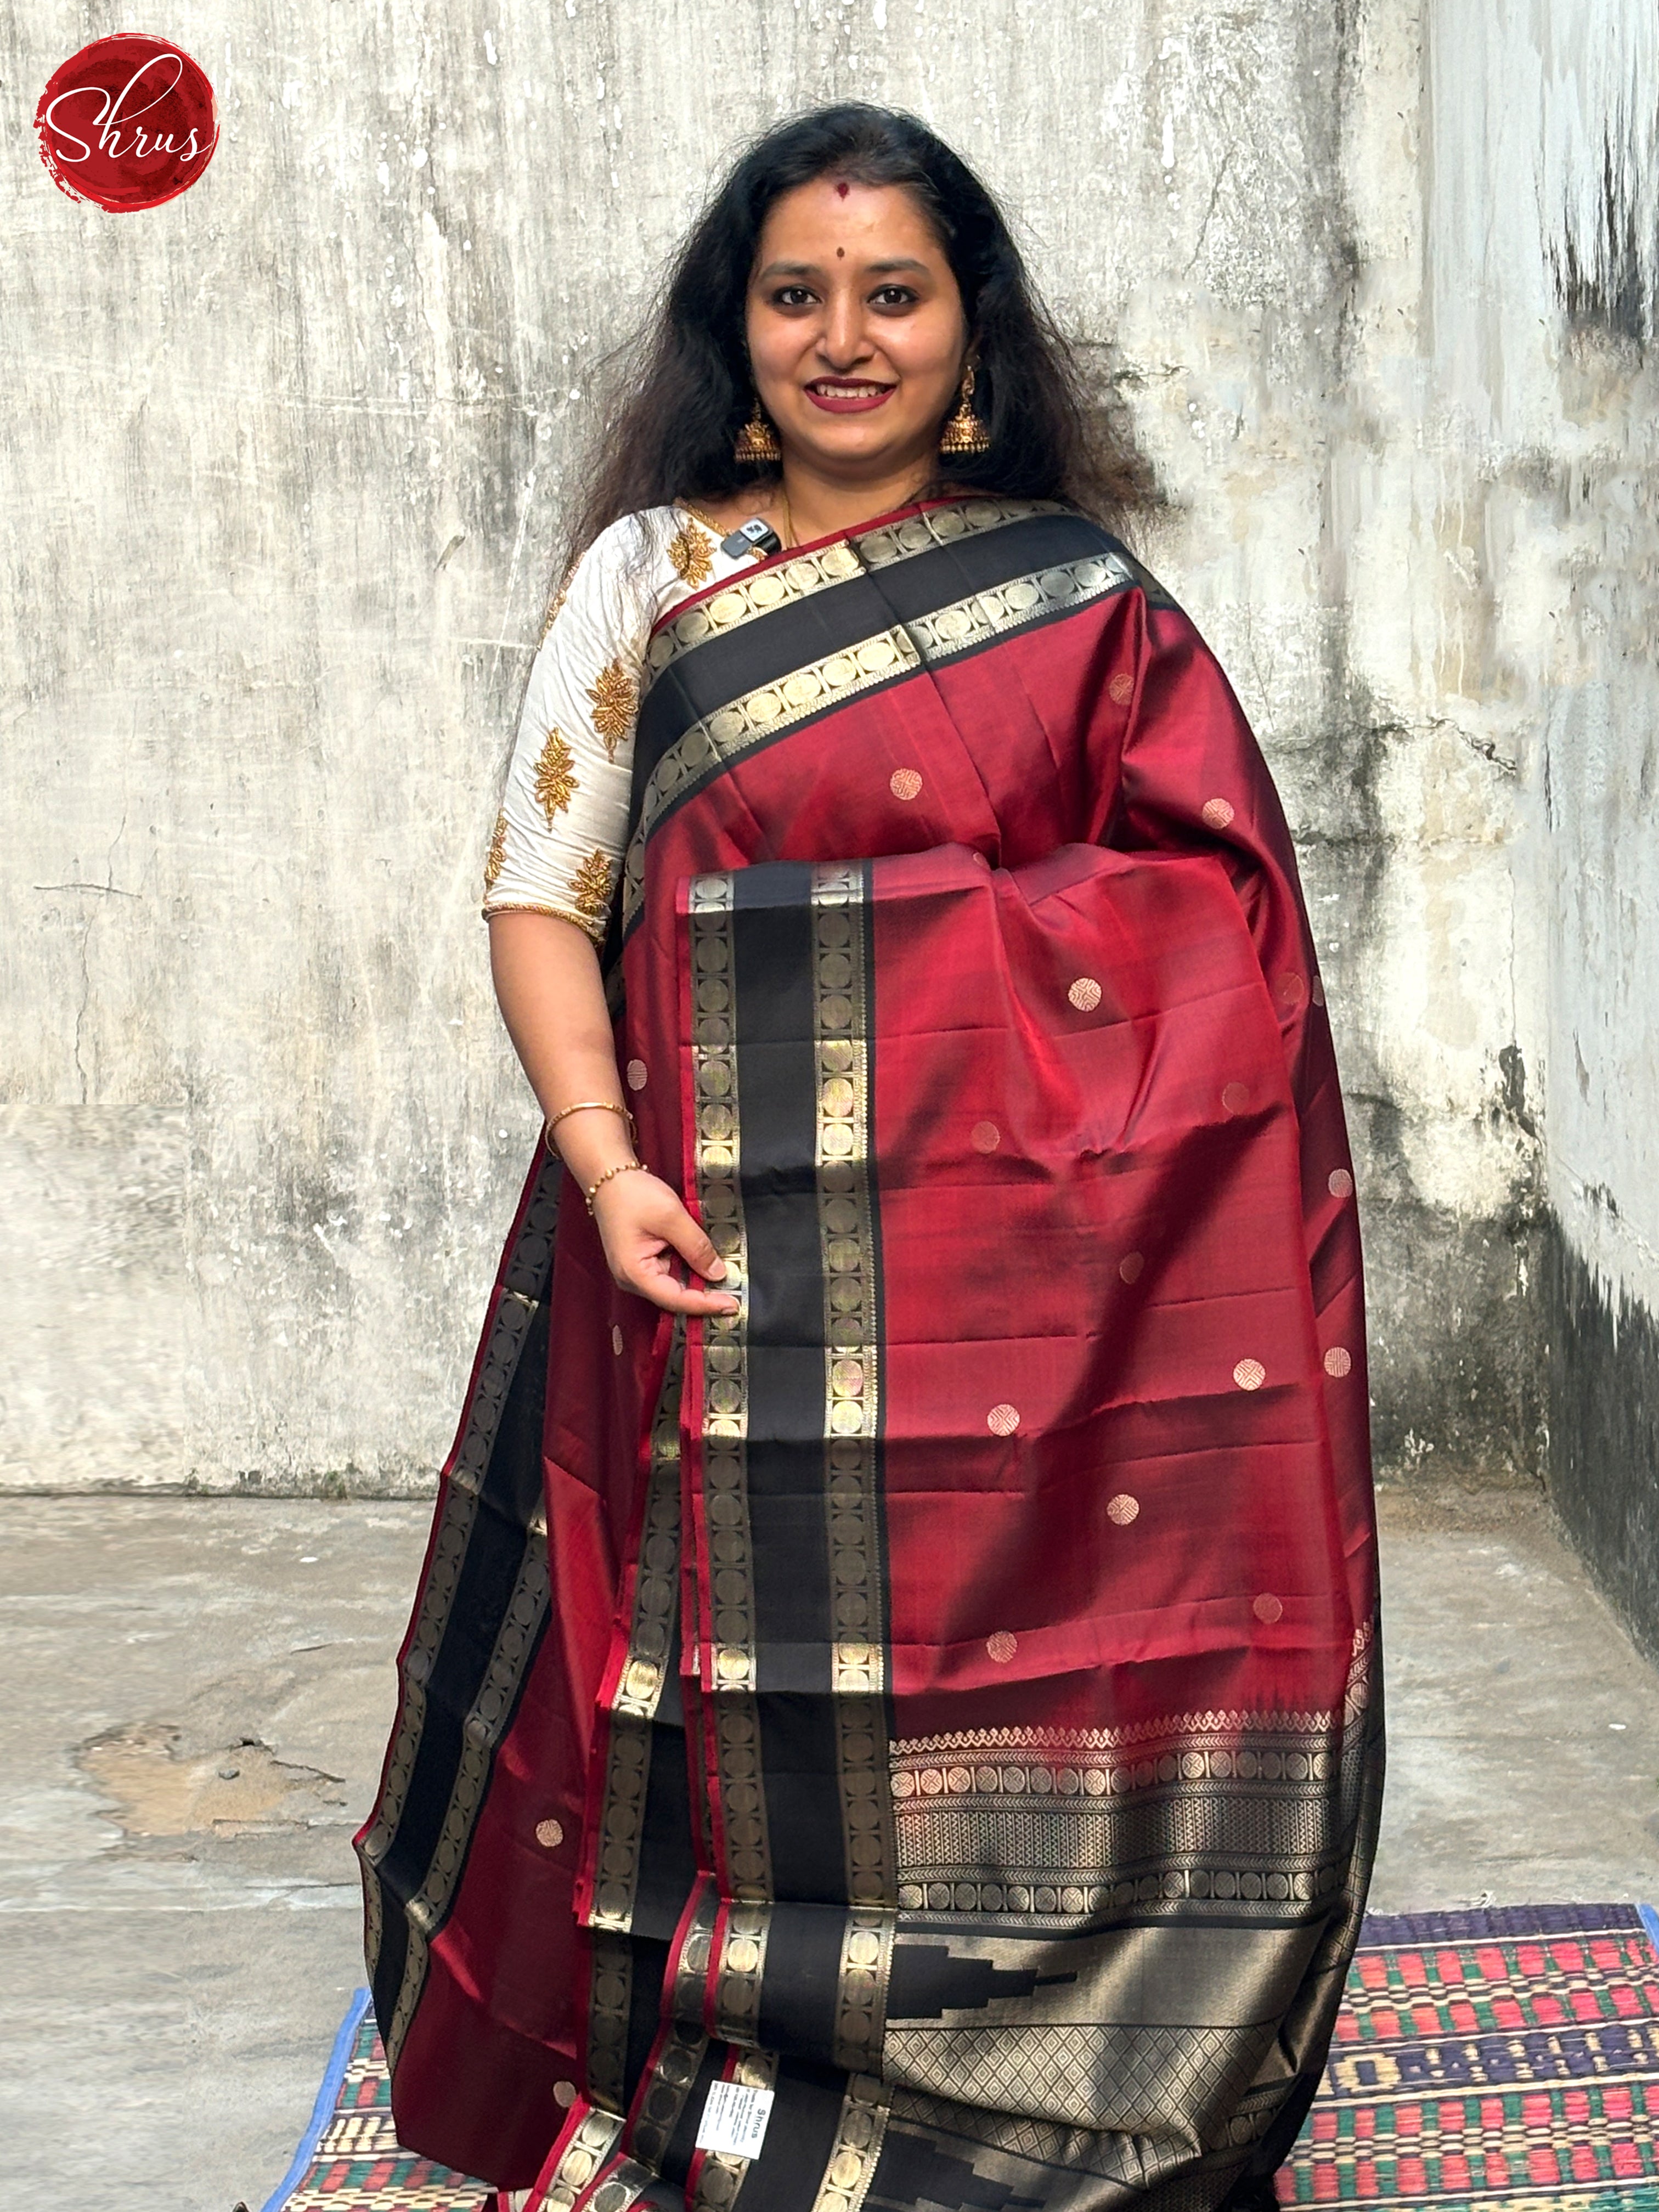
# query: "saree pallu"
915, 1742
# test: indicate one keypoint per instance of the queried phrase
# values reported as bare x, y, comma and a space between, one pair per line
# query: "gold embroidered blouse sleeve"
558, 839
557, 844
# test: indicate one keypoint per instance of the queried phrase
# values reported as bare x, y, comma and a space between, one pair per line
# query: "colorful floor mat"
1483, 2061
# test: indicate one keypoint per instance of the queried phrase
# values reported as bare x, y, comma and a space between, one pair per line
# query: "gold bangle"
626, 1168
584, 1106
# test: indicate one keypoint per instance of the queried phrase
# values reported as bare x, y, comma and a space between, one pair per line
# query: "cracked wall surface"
283, 487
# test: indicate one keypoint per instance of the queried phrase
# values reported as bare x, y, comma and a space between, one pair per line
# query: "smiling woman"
888, 1718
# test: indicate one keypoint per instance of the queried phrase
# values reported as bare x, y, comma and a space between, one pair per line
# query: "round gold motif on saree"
1339, 1183
564, 2093
1338, 1361
1121, 690
985, 1136
1267, 1607
1249, 1375
1217, 813
1289, 989
904, 783
1235, 1098
1122, 1510
1001, 1647
616, 1340
550, 1834
637, 1075
1002, 1420
1084, 994
1131, 1266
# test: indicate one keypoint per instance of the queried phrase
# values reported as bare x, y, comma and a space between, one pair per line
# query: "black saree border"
481, 1612
777, 621
786, 660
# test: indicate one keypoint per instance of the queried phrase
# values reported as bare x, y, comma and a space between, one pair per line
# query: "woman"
887, 1717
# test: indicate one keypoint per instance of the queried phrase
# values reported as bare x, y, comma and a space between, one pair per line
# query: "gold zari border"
662, 2098
596, 2136
856, 2151
1264, 1777
610, 1994
735, 2008
785, 583
725, 1410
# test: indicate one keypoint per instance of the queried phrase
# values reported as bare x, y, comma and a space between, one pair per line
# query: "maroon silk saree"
941, 1698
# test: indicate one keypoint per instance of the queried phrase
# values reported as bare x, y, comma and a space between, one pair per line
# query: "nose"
842, 341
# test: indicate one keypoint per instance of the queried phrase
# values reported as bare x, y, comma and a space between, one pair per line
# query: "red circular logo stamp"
127, 123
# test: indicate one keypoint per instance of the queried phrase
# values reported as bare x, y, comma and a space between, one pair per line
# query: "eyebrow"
811, 268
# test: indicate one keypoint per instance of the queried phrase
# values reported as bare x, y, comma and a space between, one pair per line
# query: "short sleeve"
558, 839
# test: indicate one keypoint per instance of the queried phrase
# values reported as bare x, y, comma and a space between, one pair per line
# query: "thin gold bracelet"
584, 1106
626, 1168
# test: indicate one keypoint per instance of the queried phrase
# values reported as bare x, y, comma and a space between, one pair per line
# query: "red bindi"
843, 188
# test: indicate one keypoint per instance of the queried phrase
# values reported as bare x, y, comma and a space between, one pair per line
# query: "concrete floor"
200, 1690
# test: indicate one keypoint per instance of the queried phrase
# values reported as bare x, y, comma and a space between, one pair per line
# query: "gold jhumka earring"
964, 432
757, 440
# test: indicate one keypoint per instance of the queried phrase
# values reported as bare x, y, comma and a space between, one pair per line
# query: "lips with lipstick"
857, 395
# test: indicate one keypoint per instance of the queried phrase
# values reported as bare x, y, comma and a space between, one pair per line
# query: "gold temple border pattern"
787, 582
725, 1411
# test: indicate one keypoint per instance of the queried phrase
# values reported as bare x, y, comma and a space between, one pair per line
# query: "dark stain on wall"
1604, 280
1458, 1392
1602, 1362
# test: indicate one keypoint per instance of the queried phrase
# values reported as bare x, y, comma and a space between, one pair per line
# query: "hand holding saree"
942, 1694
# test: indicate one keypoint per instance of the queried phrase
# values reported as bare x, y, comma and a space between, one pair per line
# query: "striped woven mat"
1505, 2061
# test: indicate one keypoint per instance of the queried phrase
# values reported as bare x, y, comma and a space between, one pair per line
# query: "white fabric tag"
734, 2119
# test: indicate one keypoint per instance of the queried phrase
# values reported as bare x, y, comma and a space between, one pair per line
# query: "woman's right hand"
645, 1229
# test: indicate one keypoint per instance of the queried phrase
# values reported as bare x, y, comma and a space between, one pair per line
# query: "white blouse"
558, 841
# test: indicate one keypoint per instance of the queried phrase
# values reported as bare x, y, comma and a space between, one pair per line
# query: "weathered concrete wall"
1542, 211
281, 496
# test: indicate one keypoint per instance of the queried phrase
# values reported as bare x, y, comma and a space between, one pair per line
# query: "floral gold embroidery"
496, 858
689, 551
615, 697
590, 887
555, 777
